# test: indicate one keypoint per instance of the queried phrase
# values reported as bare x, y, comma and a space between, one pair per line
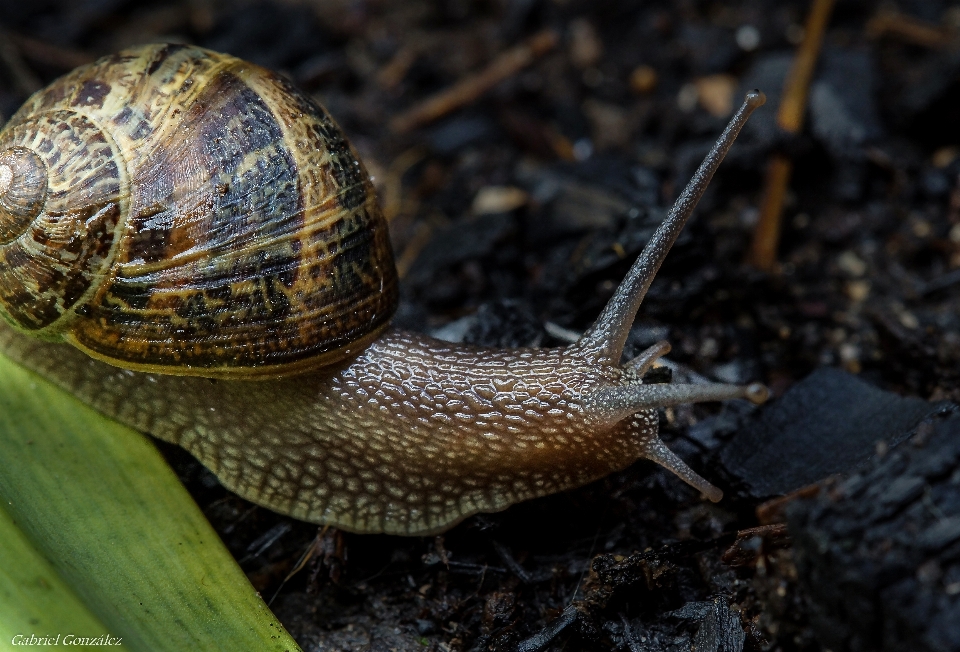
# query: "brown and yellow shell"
172, 209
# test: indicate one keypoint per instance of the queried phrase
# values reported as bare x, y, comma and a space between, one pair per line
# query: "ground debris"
514, 215
879, 554
830, 422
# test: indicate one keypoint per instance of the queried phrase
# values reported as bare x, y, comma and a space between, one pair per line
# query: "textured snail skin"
398, 432
411, 437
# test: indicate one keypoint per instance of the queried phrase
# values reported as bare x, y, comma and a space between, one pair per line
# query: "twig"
471, 88
393, 73
542, 638
744, 550
307, 555
510, 562
795, 90
908, 29
766, 237
393, 181
774, 510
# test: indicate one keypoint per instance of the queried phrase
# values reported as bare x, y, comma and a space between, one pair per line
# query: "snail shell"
177, 210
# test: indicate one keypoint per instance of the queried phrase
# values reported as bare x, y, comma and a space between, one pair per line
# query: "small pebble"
748, 38
499, 199
643, 79
715, 94
586, 49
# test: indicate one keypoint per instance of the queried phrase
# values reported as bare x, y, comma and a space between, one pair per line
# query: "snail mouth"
613, 402
23, 191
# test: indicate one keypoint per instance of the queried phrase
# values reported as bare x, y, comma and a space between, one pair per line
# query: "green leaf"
95, 502
33, 598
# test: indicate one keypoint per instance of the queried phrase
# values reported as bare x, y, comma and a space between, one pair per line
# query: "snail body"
176, 222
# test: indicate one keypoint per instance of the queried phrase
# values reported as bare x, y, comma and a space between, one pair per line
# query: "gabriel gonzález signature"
64, 639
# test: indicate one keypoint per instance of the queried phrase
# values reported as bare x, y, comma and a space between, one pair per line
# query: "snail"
197, 251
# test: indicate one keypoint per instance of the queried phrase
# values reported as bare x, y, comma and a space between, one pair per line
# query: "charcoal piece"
718, 626
879, 554
600, 251
697, 626
713, 431
644, 335
580, 207
637, 185
636, 636
720, 629
830, 422
844, 116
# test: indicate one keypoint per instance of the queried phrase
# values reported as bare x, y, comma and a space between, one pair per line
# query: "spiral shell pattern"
63, 192
200, 216
23, 189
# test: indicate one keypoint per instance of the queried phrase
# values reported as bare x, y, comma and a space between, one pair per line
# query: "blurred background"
524, 151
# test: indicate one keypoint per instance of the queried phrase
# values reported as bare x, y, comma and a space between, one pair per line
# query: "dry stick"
766, 237
393, 73
468, 90
909, 30
393, 181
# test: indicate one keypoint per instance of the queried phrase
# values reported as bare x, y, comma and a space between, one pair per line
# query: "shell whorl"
23, 188
235, 231
65, 200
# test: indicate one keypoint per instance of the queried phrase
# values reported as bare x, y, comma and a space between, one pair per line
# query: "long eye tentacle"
609, 404
608, 334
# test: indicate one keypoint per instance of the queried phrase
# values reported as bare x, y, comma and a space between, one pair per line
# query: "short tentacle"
656, 451
642, 363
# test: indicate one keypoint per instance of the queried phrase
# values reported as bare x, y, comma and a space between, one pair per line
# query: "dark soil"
520, 212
